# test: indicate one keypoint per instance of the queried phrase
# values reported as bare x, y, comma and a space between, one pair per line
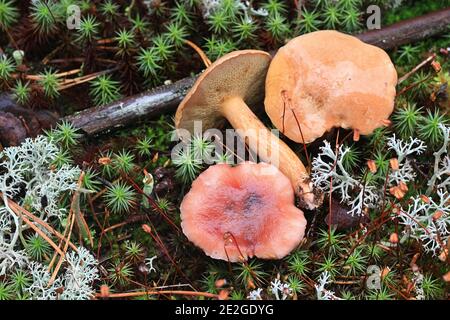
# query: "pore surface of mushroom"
328, 79
235, 213
224, 92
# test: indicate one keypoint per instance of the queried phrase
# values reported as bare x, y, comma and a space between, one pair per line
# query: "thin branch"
148, 293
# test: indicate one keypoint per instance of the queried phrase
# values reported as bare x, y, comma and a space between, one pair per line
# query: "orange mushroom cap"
235, 213
328, 79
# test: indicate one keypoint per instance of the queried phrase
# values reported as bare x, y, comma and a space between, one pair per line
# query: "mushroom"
224, 92
235, 213
328, 79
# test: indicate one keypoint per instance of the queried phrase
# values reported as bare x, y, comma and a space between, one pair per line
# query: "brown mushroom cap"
329, 79
252, 202
238, 74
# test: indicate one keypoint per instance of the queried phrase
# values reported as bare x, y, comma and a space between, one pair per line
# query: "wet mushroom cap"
252, 202
238, 74
329, 79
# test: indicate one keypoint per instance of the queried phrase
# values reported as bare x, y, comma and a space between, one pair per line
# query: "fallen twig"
71, 219
73, 82
416, 68
14, 206
146, 105
39, 232
149, 293
409, 30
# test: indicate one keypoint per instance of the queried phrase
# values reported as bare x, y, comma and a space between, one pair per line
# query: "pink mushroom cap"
235, 213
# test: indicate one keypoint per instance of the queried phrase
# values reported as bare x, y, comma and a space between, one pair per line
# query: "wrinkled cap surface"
237, 74
248, 209
329, 79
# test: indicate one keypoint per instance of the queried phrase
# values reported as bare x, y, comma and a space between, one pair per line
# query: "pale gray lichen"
280, 290
81, 272
441, 166
403, 149
76, 283
40, 289
328, 166
329, 173
255, 294
428, 221
149, 264
321, 292
27, 169
443, 174
208, 8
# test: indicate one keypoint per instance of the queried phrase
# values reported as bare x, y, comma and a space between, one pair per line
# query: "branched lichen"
405, 172
429, 221
280, 290
441, 170
255, 294
428, 218
81, 272
74, 284
329, 174
27, 169
321, 292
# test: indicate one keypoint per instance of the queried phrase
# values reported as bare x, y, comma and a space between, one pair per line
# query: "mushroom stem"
270, 148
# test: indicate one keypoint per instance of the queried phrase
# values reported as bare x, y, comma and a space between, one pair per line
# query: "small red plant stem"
228, 149
68, 60
424, 228
413, 85
102, 233
226, 236
383, 205
118, 225
283, 96
158, 240
397, 245
94, 215
153, 203
358, 242
106, 41
303, 140
106, 48
13, 42
330, 212
286, 98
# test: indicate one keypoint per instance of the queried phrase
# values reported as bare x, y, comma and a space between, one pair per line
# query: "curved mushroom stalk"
270, 148
224, 92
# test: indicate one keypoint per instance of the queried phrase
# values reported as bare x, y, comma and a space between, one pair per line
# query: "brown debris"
341, 219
